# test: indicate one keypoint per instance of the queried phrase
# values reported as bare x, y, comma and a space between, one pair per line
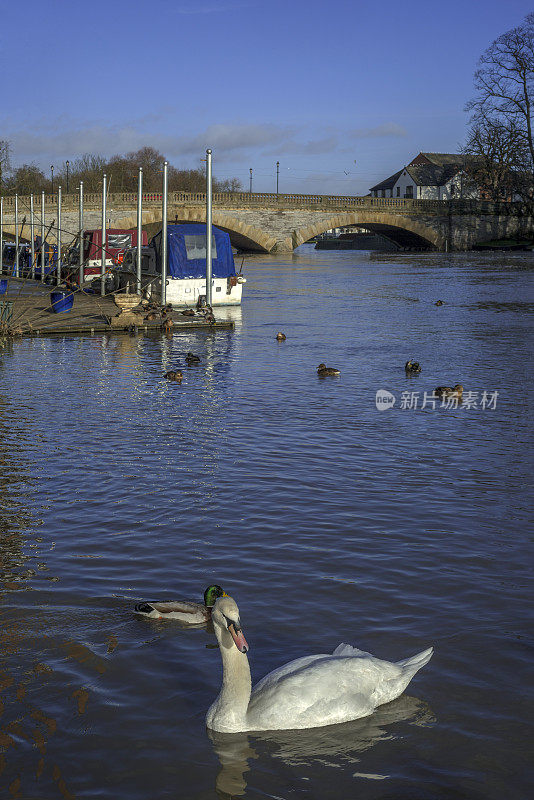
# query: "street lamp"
277, 175
52, 171
68, 162
250, 189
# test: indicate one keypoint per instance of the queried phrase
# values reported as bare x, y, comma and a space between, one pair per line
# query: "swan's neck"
229, 710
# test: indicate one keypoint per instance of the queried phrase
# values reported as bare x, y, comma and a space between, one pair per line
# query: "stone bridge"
271, 223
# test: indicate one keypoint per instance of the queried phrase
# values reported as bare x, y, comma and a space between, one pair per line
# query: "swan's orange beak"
239, 640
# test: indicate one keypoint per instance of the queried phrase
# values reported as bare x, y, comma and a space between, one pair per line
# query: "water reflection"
344, 743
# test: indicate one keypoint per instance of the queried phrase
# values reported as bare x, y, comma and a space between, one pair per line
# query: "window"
398, 191
409, 191
119, 241
195, 246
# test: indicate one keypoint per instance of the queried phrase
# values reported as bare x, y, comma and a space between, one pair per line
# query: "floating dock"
30, 314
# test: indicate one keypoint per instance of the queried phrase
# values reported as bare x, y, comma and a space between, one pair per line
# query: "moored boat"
186, 267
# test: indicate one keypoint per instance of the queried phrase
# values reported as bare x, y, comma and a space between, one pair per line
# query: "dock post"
1, 235
164, 254
103, 249
58, 268
208, 226
80, 226
139, 226
42, 237
16, 270
32, 237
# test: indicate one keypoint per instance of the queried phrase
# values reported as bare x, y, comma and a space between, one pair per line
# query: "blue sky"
341, 93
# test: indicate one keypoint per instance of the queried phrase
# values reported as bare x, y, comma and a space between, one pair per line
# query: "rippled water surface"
327, 519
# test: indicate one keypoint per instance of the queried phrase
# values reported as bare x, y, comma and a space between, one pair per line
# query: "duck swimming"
447, 391
438, 303
184, 610
280, 336
412, 367
323, 371
191, 358
174, 375
310, 692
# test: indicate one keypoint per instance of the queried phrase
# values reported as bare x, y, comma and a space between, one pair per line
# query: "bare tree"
122, 172
501, 136
5, 161
495, 159
26, 179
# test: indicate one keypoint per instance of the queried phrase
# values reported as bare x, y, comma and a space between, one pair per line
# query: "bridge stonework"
273, 223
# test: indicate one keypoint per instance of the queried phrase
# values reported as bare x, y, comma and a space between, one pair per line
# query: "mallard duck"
447, 391
184, 610
323, 371
311, 691
191, 358
280, 336
412, 367
174, 375
188, 312
438, 303
167, 324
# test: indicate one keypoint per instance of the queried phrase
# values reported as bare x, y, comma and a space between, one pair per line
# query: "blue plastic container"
3, 286
61, 301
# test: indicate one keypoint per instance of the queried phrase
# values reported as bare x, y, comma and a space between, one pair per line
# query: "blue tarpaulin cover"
186, 246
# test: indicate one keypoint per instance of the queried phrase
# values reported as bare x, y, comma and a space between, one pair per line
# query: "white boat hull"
184, 292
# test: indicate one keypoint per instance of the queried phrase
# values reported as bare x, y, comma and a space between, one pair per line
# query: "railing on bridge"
262, 199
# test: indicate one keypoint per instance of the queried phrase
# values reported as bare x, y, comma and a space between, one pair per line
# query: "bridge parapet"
128, 200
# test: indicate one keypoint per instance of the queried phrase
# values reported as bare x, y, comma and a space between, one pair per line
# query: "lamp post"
68, 164
52, 172
250, 189
277, 176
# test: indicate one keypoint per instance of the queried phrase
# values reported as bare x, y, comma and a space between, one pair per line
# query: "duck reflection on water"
344, 742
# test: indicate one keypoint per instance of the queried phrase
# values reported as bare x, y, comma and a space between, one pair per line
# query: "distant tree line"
122, 173
500, 144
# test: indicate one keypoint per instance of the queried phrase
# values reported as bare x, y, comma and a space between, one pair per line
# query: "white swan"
309, 692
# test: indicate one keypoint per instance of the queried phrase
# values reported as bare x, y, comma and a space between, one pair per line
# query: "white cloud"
229, 141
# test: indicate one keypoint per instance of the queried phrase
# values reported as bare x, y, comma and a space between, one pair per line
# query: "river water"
327, 519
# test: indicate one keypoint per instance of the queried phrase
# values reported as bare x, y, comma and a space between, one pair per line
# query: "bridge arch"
379, 223
242, 235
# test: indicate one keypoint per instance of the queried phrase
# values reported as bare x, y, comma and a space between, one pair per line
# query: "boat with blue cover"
186, 266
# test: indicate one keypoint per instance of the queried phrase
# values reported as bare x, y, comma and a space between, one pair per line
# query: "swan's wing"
322, 690
347, 650
287, 669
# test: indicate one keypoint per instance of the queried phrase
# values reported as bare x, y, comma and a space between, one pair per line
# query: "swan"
184, 610
309, 692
